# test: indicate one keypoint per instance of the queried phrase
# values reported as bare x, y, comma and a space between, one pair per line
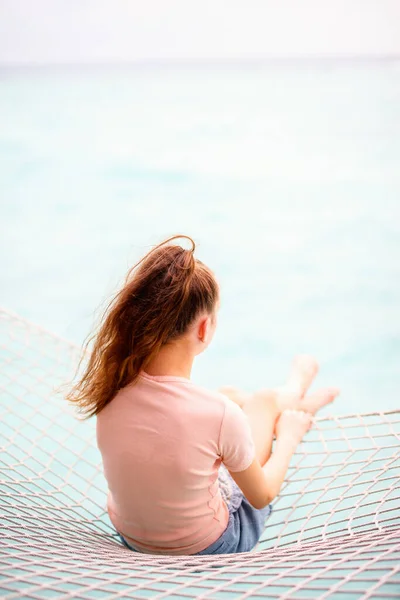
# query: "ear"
203, 329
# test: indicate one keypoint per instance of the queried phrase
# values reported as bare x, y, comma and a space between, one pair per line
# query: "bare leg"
302, 372
237, 396
304, 369
262, 412
264, 407
292, 395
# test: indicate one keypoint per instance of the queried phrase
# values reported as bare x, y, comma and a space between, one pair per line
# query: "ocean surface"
286, 176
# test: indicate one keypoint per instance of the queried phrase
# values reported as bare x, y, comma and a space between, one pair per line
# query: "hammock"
334, 530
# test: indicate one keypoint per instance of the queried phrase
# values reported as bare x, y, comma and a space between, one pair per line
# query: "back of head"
163, 294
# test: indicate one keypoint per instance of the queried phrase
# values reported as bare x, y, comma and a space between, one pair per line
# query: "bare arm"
261, 485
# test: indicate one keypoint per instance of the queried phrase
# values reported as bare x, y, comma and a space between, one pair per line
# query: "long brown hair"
163, 293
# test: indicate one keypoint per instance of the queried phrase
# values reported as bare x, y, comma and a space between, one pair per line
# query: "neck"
175, 360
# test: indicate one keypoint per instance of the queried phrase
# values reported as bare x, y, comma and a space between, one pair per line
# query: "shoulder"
214, 396
229, 408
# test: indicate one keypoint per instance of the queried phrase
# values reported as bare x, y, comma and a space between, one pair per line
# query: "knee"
228, 390
265, 395
233, 394
264, 399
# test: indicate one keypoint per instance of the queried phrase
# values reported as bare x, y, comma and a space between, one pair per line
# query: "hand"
293, 424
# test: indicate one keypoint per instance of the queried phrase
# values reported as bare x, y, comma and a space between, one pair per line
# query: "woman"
189, 469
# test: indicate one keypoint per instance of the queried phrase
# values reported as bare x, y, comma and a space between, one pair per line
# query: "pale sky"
70, 31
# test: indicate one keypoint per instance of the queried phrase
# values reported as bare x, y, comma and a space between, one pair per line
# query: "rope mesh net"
333, 532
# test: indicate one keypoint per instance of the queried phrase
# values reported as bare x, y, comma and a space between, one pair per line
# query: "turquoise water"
287, 177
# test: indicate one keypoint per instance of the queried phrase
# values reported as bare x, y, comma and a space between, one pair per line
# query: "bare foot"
303, 371
318, 399
313, 402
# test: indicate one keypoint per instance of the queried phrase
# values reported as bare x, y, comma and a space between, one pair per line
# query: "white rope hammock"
334, 530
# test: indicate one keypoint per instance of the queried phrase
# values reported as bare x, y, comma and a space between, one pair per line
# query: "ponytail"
162, 295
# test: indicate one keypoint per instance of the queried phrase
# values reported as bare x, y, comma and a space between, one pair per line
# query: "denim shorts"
245, 524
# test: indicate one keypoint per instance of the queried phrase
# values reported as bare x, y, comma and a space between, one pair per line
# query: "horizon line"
198, 61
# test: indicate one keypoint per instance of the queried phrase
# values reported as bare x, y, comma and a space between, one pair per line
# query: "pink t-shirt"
162, 440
